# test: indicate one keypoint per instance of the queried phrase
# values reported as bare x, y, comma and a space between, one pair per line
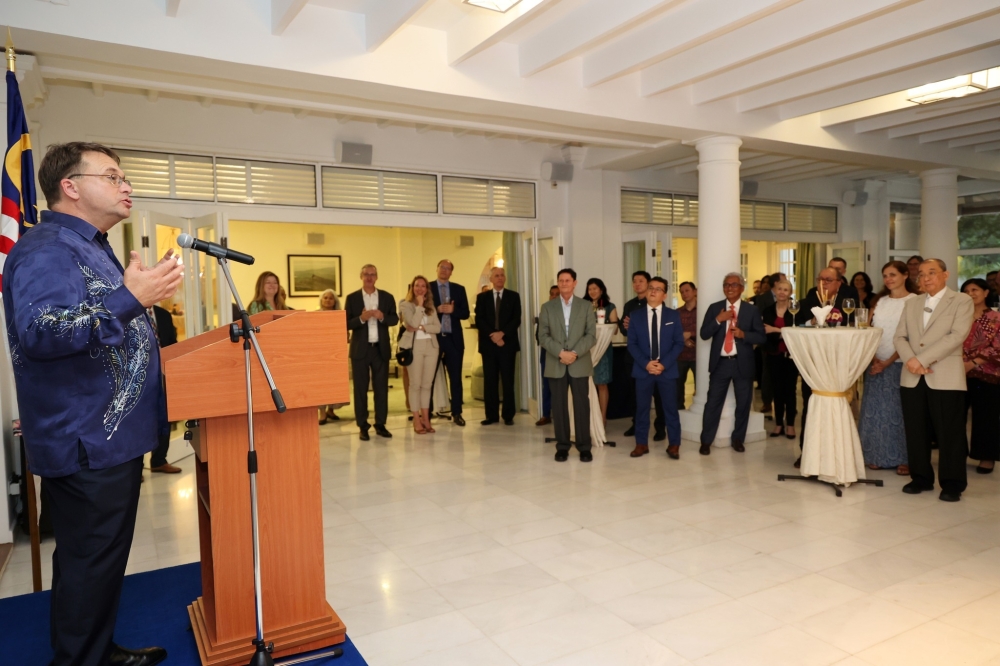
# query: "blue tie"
654, 343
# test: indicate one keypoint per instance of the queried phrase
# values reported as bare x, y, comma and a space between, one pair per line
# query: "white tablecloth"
830, 360
597, 435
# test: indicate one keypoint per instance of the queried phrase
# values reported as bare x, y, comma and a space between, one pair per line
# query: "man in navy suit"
453, 308
655, 340
734, 327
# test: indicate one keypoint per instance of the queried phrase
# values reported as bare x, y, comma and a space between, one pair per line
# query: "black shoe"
562, 456
508, 421
586, 456
144, 657
381, 431
778, 433
364, 435
660, 436
459, 421
984, 470
915, 488
798, 463
705, 449
630, 432
948, 496
488, 421
738, 446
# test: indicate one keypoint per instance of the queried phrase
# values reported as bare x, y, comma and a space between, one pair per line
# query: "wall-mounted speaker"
315, 239
466, 241
855, 198
557, 172
353, 153
748, 188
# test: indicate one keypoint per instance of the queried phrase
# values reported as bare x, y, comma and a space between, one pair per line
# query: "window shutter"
350, 188
635, 207
479, 196
282, 184
411, 192
231, 180
769, 215
167, 176
812, 218
194, 177
662, 209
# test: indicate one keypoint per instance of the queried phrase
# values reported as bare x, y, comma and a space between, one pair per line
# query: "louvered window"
368, 189
168, 176
766, 215
812, 218
480, 196
276, 183
659, 208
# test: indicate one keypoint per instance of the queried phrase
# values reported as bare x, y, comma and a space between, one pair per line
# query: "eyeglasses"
114, 178
829, 280
656, 290
727, 285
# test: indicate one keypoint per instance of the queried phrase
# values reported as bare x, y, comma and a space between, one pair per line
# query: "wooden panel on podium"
307, 355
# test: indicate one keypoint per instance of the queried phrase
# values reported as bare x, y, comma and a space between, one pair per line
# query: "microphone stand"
248, 333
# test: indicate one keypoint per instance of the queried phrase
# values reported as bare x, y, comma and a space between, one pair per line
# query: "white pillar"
939, 218
718, 254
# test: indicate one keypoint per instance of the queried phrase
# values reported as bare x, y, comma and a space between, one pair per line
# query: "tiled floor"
472, 547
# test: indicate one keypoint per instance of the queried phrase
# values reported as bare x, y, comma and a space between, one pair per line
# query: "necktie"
654, 341
496, 315
445, 292
728, 346
152, 320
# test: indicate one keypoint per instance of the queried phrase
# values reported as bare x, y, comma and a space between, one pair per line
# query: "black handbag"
404, 357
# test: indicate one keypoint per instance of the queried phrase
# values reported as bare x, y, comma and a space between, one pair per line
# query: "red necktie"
728, 346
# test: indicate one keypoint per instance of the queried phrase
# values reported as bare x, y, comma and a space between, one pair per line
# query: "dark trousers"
806, 394
766, 380
546, 389
718, 387
581, 410
93, 516
158, 457
924, 408
370, 368
683, 368
984, 400
498, 368
658, 422
784, 375
644, 387
453, 356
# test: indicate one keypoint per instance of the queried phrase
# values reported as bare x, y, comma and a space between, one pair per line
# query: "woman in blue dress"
604, 311
880, 425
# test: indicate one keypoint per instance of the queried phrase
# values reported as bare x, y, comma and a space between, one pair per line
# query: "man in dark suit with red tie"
498, 318
655, 340
734, 327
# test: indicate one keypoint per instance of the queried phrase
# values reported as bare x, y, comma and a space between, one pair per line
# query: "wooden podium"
307, 355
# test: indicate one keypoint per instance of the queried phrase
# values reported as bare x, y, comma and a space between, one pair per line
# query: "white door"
531, 379
551, 260
210, 292
160, 232
648, 251
853, 253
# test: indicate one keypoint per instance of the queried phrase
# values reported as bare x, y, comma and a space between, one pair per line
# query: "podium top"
305, 351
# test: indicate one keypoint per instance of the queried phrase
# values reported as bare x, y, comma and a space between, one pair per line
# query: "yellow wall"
686, 255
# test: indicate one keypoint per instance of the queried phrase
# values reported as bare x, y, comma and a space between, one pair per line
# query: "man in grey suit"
929, 341
567, 329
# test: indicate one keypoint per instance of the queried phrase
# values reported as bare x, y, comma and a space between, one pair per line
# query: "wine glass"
848, 309
794, 307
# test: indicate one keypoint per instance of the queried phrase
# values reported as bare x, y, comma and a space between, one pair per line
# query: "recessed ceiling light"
494, 5
958, 86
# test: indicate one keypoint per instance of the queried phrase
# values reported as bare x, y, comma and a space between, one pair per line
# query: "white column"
939, 218
718, 254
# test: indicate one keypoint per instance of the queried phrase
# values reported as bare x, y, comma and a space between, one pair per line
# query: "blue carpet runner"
153, 611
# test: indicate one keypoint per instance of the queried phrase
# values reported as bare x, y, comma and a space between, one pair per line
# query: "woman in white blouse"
418, 315
880, 425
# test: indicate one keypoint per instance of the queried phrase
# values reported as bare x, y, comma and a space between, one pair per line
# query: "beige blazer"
939, 345
553, 339
410, 314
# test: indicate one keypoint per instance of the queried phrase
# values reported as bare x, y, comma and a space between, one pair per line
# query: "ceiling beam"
784, 163
761, 161
593, 23
986, 147
172, 7
967, 118
384, 17
815, 167
676, 163
887, 41
482, 29
973, 140
823, 173
97, 88
283, 12
804, 21
958, 132
919, 112
152, 95
692, 24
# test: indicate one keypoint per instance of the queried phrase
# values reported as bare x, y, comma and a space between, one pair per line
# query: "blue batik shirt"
86, 364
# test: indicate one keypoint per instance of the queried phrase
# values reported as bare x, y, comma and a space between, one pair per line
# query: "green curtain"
511, 263
805, 268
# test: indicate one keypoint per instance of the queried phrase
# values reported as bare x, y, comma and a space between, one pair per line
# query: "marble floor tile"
482, 652
873, 572
622, 581
936, 592
659, 604
417, 639
861, 623
932, 644
635, 649
751, 575
703, 632
802, 597
520, 610
562, 635
786, 646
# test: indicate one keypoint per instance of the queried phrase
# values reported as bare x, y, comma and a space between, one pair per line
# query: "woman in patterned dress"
981, 353
880, 425
597, 294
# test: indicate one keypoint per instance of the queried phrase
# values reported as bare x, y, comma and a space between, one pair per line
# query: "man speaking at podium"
87, 371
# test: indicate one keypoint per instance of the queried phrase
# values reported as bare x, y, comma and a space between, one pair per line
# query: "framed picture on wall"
312, 274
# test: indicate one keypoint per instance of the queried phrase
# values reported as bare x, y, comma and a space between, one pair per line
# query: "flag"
18, 207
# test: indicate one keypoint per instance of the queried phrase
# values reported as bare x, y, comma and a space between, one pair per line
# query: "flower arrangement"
835, 318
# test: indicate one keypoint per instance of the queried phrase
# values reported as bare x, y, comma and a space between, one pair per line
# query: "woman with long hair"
267, 294
419, 317
866, 292
597, 294
328, 302
880, 425
784, 373
981, 353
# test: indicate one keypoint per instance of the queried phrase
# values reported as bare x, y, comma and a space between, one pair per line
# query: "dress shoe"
738, 446
544, 421
660, 436
488, 422
915, 488
705, 449
381, 431
364, 435
508, 421
777, 433
948, 496
630, 432
798, 463
144, 657
459, 421
674, 451
984, 470
166, 469
639, 451
586, 456
323, 421
562, 456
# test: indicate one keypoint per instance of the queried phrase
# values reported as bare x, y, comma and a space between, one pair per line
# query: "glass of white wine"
793, 307
848, 309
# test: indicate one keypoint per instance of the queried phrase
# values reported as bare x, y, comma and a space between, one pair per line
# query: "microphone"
214, 249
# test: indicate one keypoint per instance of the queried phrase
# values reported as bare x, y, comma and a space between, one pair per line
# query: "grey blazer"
939, 345
553, 339
410, 314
